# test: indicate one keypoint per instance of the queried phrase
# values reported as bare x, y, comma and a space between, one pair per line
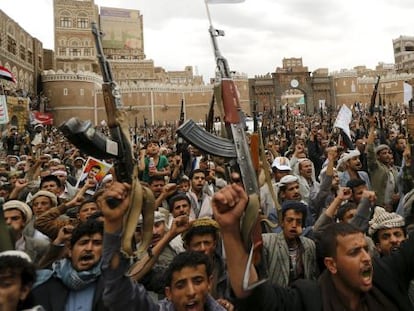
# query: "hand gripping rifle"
119, 147
234, 147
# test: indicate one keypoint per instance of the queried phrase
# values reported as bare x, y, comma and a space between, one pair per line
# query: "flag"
343, 120
223, 1
408, 92
4, 114
6, 74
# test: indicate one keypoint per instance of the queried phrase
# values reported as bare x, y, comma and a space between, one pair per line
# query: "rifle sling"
268, 178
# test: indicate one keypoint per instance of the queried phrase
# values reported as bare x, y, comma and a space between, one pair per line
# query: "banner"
6, 74
343, 120
223, 1
4, 113
408, 92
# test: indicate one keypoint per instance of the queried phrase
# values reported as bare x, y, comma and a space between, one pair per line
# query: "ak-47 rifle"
119, 147
233, 147
180, 146
210, 116
281, 116
374, 97
361, 116
146, 129
380, 113
136, 131
182, 115
255, 117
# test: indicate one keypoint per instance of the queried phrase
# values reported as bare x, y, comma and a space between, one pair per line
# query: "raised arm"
228, 206
120, 292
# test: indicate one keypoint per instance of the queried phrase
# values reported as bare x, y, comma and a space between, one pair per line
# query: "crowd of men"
335, 236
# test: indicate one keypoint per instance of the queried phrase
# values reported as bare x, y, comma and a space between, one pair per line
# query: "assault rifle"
374, 97
235, 147
181, 121
83, 135
119, 148
181, 144
210, 116
380, 113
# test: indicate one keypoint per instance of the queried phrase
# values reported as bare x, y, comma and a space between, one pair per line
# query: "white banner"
4, 113
343, 120
408, 92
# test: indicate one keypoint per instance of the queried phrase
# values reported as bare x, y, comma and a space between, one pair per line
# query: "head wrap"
45, 193
381, 147
285, 180
201, 222
346, 156
14, 253
21, 206
384, 220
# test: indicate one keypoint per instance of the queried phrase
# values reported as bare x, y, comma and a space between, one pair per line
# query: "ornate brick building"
295, 87
20, 53
70, 75
74, 86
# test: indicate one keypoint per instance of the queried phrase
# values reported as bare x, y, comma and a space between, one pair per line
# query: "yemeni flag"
223, 1
6, 74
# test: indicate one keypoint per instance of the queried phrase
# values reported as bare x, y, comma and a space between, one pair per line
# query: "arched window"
82, 20
65, 19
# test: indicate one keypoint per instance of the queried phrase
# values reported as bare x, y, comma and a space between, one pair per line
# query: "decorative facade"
22, 54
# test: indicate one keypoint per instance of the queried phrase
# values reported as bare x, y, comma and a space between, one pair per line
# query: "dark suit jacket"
53, 294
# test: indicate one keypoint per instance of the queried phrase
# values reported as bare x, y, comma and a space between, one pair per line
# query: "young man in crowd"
350, 167
290, 256
17, 215
17, 275
152, 163
75, 282
200, 199
204, 236
387, 230
352, 279
188, 278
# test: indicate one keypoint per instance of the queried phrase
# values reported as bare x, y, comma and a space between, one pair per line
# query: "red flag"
6, 74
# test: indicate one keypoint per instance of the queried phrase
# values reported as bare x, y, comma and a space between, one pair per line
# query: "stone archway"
300, 81
267, 91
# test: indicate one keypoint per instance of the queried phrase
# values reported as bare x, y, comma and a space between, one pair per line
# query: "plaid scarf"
74, 280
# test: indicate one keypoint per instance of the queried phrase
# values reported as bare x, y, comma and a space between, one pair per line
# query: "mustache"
87, 256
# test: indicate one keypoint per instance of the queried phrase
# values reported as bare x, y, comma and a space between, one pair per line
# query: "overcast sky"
329, 34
